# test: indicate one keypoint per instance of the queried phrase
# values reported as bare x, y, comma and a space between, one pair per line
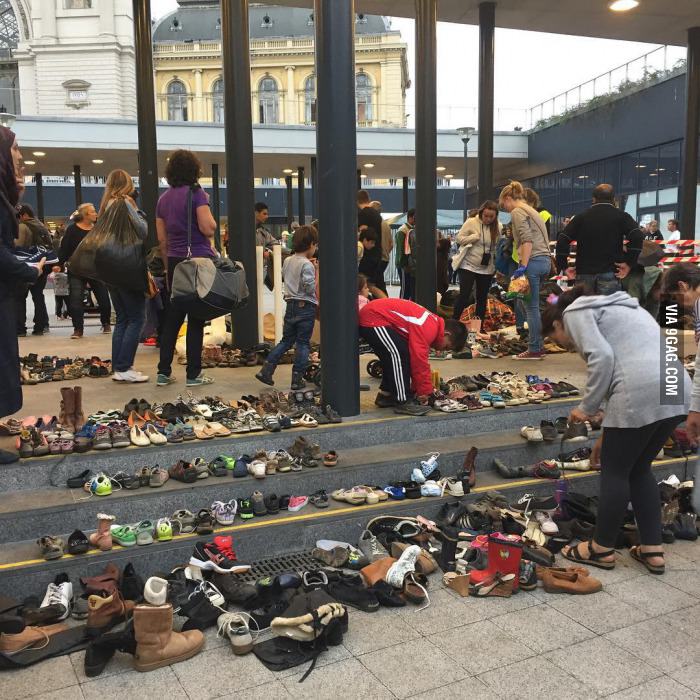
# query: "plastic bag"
519, 288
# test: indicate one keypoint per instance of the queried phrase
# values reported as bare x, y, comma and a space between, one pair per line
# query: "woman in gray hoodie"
644, 393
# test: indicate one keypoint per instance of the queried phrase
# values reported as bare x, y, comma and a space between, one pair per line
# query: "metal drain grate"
298, 561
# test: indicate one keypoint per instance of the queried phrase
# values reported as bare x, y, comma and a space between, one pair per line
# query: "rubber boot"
102, 539
106, 610
265, 374
78, 415
66, 416
156, 643
298, 382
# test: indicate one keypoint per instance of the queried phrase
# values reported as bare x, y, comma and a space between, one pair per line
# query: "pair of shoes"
131, 375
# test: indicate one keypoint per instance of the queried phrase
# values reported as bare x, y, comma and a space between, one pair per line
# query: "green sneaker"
245, 508
164, 380
100, 485
201, 380
125, 535
144, 532
164, 530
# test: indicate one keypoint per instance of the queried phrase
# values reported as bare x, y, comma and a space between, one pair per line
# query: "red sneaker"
225, 546
528, 355
150, 342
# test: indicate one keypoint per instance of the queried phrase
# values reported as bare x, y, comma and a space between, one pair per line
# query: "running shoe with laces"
405, 565
225, 546
212, 593
371, 547
224, 513
233, 626
58, 597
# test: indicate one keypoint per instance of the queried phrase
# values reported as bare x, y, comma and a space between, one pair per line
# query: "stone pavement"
638, 638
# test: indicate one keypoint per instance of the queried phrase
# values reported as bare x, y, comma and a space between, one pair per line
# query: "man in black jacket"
608, 243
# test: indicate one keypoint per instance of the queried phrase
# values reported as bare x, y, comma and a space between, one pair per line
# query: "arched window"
363, 98
217, 91
177, 101
310, 100
268, 101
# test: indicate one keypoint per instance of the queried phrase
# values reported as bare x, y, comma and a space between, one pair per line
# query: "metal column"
359, 179
146, 115
314, 188
465, 213
39, 181
216, 204
337, 159
487, 28
77, 186
290, 202
689, 182
301, 192
405, 194
238, 135
426, 152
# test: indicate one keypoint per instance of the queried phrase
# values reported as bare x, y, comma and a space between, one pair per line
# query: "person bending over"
621, 345
401, 333
299, 274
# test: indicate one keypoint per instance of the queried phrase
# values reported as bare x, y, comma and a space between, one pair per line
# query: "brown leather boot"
156, 643
67, 415
469, 466
78, 415
105, 610
94, 584
376, 571
102, 539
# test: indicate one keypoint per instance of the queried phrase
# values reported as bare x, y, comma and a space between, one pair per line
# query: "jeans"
408, 285
61, 301
76, 286
467, 280
298, 326
174, 318
537, 273
605, 283
130, 308
518, 306
41, 315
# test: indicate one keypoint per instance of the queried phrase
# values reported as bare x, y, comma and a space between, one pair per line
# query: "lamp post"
6, 119
465, 133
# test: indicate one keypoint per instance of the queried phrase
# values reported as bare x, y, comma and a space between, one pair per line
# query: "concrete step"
22, 573
385, 428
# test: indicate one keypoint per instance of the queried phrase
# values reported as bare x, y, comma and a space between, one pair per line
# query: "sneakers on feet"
164, 380
201, 380
131, 376
411, 409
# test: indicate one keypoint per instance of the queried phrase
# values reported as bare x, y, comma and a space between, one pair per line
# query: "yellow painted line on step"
255, 523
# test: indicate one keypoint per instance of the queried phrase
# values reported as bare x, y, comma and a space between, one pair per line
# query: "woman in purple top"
182, 173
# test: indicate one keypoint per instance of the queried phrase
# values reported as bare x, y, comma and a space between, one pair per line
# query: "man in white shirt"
673, 235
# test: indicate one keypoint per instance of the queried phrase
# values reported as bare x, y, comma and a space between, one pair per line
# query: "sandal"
330, 459
319, 499
308, 421
593, 559
638, 555
499, 584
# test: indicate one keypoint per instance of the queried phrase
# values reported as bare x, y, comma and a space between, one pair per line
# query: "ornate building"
189, 84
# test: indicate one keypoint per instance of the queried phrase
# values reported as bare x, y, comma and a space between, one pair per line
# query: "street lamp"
465, 133
6, 119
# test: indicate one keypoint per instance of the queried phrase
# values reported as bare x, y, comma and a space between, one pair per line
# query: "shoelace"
54, 592
227, 619
427, 597
227, 551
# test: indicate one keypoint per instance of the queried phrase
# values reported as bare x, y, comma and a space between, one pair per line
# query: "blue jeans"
605, 283
537, 274
130, 310
519, 305
298, 326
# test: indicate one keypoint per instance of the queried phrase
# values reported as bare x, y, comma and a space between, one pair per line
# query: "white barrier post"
261, 311
278, 291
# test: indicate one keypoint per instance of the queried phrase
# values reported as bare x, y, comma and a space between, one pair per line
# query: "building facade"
189, 81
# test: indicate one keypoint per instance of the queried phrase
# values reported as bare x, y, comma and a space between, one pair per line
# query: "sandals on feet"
593, 559
638, 555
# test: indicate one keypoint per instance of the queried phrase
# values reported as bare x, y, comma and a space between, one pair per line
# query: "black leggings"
626, 475
467, 279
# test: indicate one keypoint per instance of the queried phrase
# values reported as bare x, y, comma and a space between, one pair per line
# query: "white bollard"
278, 292
260, 280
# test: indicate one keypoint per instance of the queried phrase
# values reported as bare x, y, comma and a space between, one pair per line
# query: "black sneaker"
284, 502
530, 503
527, 580
409, 408
561, 424
549, 432
78, 542
384, 401
575, 432
234, 590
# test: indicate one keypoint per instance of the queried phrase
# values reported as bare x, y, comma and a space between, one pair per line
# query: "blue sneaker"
240, 468
429, 465
430, 488
418, 476
395, 492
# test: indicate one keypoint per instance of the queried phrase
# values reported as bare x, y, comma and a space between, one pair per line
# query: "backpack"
41, 237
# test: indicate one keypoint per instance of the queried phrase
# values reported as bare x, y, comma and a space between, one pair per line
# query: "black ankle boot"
200, 612
298, 382
99, 651
265, 374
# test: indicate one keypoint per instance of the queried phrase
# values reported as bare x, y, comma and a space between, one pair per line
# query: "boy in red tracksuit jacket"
401, 333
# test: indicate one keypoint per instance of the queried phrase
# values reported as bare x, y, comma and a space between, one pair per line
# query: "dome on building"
200, 20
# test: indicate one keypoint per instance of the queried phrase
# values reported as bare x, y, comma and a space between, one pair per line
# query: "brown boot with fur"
102, 539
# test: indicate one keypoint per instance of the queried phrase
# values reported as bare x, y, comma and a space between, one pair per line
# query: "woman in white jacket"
475, 260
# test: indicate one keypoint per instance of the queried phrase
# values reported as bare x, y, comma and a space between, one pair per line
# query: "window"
668, 196
628, 173
648, 169
177, 101
217, 92
268, 101
669, 164
363, 98
310, 100
77, 4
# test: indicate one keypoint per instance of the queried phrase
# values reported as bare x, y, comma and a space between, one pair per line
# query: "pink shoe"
297, 503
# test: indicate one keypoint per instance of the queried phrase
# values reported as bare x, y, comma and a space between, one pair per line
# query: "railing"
656, 65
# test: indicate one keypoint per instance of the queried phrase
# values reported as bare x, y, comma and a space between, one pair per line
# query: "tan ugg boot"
78, 415
66, 416
102, 539
156, 643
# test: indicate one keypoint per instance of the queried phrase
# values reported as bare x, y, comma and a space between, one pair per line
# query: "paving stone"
56, 673
650, 595
687, 549
267, 691
599, 664
687, 621
675, 561
443, 613
534, 678
684, 580
689, 676
486, 608
600, 613
119, 663
467, 688
233, 673
161, 683
542, 628
481, 646
345, 679
370, 631
413, 667
662, 687
658, 643
73, 692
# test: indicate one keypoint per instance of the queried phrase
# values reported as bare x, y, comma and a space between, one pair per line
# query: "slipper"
330, 459
638, 555
219, 429
593, 557
355, 496
307, 421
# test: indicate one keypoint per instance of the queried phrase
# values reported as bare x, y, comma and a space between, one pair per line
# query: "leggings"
467, 279
626, 476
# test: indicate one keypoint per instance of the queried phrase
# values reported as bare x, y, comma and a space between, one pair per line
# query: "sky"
530, 67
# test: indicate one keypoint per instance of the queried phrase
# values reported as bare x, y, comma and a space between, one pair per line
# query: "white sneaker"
547, 525
138, 437
452, 486
131, 375
432, 488
405, 565
155, 591
214, 595
59, 594
257, 468
154, 435
234, 626
531, 433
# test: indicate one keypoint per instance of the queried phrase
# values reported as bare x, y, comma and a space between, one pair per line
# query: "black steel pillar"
216, 204
337, 158
465, 213
487, 29
146, 115
301, 185
290, 202
238, 135
359, 179
689, 183
314, 188
405, 194
77, 185
426, 152
39, 180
